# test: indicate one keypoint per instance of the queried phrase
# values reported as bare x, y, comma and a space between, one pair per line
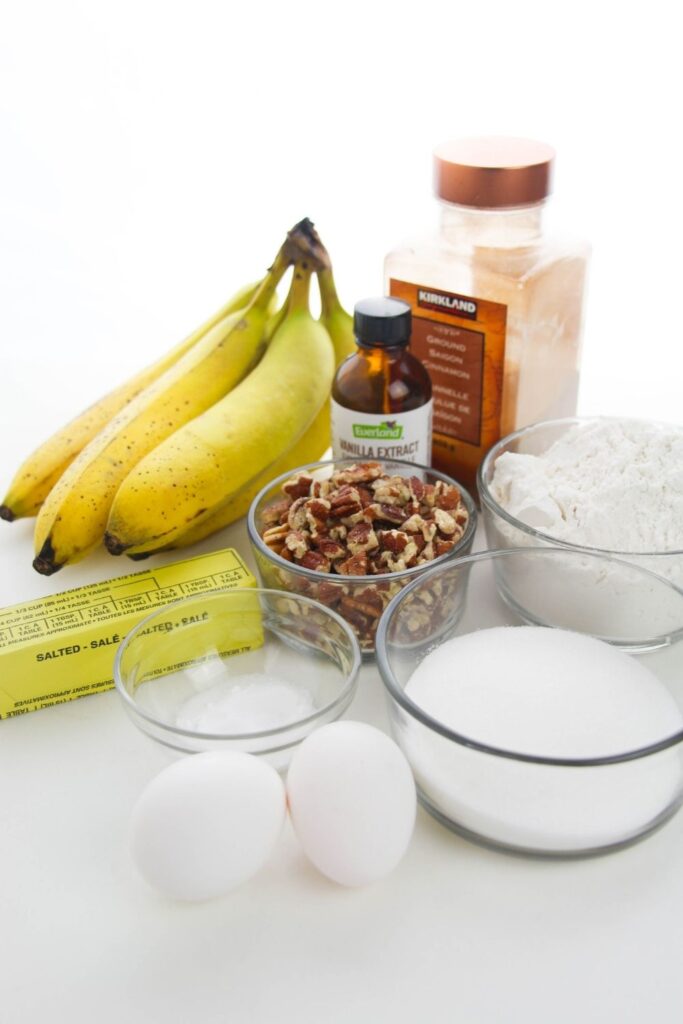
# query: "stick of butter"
60, 647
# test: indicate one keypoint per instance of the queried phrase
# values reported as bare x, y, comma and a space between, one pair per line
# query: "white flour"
611, 484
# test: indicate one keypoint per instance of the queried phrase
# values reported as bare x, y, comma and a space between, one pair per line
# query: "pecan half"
356, 565
317, 511
447, 496
360, 604
314, 560
361, 537
329, 594
296, 517
397, 562
345, 502
429, 496
392, 514
365, 496
374, 600
272, 513
363, 472
330, 548
392, 490
297, 542
413, 524
274, 536
417, 488
428, 554
394, 540
321, 488
444, 521
360, 622
299, 486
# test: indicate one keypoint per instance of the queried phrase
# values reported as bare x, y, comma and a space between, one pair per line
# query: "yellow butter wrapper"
61, 647
193, 633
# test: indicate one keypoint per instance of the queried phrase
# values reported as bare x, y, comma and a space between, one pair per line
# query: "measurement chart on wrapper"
78, 608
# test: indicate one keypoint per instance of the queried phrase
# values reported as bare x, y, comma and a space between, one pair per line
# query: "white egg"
352, 802
207, 823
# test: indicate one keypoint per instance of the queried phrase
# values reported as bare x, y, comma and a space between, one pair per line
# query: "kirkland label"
461, 341
362, 435
456, 305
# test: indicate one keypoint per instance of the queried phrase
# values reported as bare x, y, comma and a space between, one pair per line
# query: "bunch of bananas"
181, 449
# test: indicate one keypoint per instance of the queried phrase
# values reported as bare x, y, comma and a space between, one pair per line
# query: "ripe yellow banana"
334, 318
189, 476
74, 515
39, 473
309, 448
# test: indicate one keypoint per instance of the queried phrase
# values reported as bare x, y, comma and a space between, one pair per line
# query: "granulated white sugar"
542, 691
550, 693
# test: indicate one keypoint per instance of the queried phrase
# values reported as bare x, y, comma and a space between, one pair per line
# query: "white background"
151, 158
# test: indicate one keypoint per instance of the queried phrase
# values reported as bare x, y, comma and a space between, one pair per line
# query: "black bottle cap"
378, 322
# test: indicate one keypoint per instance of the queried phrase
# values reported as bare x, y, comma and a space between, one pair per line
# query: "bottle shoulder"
433, 259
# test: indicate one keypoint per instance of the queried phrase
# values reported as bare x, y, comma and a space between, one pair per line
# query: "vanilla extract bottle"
382, 394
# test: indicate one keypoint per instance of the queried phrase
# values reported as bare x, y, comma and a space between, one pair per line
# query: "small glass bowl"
511, 799
247, 669
330, 588
504, 530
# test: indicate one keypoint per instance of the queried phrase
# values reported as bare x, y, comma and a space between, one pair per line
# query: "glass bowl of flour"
601, 485
534, 727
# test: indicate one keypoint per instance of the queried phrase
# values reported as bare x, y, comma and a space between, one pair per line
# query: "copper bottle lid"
493, 171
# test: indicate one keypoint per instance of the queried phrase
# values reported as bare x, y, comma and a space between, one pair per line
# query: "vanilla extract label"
405, 435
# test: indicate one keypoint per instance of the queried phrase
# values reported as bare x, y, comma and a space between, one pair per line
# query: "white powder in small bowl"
239, 705
615, 484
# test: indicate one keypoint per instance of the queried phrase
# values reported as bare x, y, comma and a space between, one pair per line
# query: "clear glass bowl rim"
487, 498
398, 694
384, 577
350, 683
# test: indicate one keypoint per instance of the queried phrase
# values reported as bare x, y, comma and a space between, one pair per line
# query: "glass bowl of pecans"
351, 534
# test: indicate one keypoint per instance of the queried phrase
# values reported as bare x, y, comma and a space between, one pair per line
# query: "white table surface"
457, 933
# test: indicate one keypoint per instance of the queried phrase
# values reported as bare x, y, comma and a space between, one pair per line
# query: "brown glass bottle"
382, 395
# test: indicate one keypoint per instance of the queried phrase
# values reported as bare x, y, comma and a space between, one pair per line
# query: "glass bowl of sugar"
605, 485
553, 731
252, 670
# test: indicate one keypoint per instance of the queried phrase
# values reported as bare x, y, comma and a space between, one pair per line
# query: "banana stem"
304, 243
265, 291
299, 288
301, 246
329, 299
